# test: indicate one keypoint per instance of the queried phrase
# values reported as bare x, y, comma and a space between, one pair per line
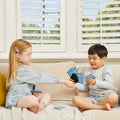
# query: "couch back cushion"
116, 76
4, 68
57, 91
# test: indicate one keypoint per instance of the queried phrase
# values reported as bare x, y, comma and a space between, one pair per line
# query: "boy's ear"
104, 58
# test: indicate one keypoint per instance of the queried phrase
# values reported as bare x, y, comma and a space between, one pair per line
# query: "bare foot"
35, 94
107, 107
50, 102
81, 109
35, 109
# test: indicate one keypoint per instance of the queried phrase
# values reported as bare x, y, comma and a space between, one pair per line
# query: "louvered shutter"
99, 22
41, 22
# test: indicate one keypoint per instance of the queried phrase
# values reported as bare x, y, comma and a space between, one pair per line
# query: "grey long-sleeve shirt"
22, 86
104, 81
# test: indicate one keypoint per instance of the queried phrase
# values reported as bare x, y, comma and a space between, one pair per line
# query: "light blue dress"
22, 86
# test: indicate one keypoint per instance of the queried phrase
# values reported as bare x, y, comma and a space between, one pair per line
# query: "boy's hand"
91, 81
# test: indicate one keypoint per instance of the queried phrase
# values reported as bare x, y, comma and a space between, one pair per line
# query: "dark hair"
98, 49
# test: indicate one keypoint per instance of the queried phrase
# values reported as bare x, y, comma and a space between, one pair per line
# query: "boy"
102, 94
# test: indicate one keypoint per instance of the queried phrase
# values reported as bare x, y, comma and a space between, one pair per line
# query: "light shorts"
98, 98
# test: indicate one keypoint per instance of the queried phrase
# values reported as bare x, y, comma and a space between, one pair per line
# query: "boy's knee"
113, 96
113, 99
74, 99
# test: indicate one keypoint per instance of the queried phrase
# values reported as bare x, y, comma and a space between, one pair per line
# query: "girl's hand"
91, 81
67, 83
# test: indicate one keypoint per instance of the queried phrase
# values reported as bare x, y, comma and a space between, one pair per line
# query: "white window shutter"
41, 22
99, 22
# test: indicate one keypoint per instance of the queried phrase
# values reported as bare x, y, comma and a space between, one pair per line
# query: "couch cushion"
116, 76
57, 91
114, 114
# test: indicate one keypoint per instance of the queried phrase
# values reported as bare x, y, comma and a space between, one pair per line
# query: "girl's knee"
27, 102
47, 96
33, 100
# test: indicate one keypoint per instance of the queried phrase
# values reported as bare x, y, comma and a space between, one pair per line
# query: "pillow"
2, 89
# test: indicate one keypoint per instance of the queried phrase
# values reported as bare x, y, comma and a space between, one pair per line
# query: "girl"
21, 78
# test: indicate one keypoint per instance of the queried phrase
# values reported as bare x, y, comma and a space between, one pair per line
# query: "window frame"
45, 48
72, 48
83, 48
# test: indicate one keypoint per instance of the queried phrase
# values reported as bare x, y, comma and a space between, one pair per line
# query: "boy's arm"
107, 80
81, 87
91, 81
84, 86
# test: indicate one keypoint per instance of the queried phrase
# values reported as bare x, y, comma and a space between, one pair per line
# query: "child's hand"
69, 83
71, 80
91, 81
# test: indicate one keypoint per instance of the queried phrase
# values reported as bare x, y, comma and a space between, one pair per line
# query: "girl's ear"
18, 56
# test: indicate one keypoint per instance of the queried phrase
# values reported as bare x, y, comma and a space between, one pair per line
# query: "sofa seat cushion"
114, 114
48, 113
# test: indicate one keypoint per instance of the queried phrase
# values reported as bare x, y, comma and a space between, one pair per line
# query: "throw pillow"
2, 89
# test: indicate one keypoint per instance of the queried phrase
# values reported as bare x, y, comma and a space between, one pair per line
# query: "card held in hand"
74, 78
80, 77
90, 75
71, 71
77, 77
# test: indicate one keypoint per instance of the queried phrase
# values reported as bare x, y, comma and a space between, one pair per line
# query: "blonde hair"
18, 45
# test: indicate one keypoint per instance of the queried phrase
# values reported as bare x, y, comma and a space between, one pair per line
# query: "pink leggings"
30, 101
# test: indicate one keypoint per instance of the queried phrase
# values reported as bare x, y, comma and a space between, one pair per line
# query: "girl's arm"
29, 75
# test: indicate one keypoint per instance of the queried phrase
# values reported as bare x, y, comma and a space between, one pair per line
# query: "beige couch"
61, 96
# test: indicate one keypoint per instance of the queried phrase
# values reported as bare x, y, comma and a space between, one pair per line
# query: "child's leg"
84, 103
43, 99
35, 94
111, 98
27, 102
